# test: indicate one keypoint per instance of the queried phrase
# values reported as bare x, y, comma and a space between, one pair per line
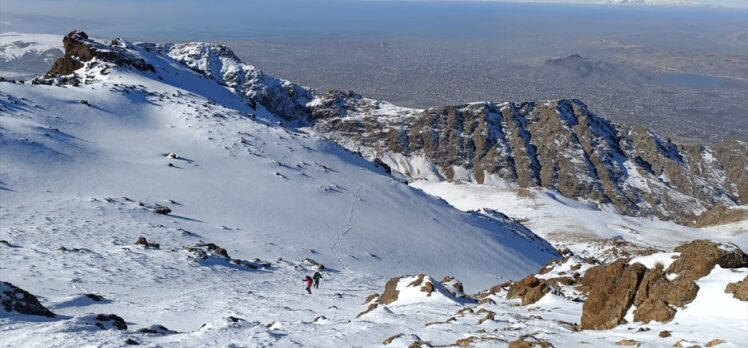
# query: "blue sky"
227, 19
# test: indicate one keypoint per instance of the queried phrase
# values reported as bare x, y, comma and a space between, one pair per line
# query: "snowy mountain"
24, 55
557, 144
171, 195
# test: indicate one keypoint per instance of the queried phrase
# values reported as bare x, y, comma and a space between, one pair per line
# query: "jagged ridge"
556, 144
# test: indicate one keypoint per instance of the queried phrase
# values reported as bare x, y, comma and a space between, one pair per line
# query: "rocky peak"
79, 49
219, 62
556, 144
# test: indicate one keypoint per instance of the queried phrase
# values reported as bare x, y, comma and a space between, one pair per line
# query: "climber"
308, 281
317, 276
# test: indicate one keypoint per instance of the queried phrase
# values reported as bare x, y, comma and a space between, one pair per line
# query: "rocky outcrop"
656, 293
698, 258
15, 299
612, 291
218, 62
739, 290
79, 49
529, 290
557, 144
529, 341
109, 322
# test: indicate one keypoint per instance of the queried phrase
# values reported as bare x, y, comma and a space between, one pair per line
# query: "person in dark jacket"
317, 276
308, 281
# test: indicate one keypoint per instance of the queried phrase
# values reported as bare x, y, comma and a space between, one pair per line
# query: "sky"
252, 19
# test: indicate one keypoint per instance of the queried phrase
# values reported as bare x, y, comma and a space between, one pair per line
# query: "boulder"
454, 286
79, 49
739, 290
612, 291
110, 321
529, 341
656, 294
698, 258
161, 209
654, 309
529, 289
15, 299
628, 342
390, 293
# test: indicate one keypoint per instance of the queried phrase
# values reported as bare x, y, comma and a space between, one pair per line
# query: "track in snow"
348, 228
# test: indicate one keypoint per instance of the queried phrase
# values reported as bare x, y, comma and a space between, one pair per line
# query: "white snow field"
81, 168
84, 169
575, 223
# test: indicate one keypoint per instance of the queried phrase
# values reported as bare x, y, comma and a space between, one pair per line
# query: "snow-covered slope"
577, 224
278, 193
234, 210
560, 145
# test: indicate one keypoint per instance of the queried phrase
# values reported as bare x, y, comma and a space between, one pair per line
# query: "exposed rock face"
390, 293
529, 341
613, 288
218, 62
556, 144
529, 289
454, 287
699, 257
15, 299
110, 321
80, 49
739, 290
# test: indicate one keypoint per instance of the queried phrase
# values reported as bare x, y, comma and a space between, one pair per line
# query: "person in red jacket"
308, 281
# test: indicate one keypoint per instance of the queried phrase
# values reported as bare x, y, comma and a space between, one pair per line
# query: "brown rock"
714, 342
428, 288
664, 333
529, 341
656, 294
371, 307
466, 342
529, 289
390, 293
739, 290
371, 297
489, 316
628, 342
222, 252
654, 309
697, 258
416, 340
613, 288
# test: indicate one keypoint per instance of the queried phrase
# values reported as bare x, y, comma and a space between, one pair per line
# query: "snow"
78, 183
14, 45
575, 223
650, 261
